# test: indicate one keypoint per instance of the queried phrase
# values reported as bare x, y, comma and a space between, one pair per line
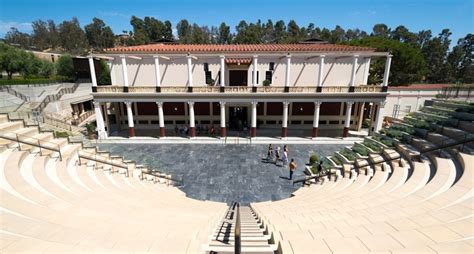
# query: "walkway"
224, 173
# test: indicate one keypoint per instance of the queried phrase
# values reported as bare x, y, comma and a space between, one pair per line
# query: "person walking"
270, 152
293, 166
277, 155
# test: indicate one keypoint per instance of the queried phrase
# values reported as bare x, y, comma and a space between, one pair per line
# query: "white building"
295, 87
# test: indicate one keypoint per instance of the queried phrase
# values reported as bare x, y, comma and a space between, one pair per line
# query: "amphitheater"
412, 192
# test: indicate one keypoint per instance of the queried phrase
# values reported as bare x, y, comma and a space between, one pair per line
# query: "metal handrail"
164, 176
38, 144
442, 146
237, 232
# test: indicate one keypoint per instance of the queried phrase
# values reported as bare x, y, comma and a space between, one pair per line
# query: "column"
288, 66
131, 126
254, 71
284, 123
321, 70
124, 71
222, 83
92, 70
317, 106
386, 73
157, 71
223, 129
161, 118
379, 116
354, 69
253, 126
347, 122
99, 121
190, 71
366, 71
192, 129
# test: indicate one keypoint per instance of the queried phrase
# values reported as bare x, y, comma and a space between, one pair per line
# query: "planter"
333, 163
343, 158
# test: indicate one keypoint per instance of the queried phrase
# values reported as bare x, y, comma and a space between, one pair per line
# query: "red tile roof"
238, 48
419, 87
238, 60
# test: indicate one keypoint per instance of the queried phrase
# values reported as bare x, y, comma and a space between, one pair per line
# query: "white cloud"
115, 14
21, 26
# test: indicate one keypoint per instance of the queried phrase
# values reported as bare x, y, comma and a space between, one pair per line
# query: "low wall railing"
241, 89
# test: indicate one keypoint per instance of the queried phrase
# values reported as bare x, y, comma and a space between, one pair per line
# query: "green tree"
168, 30
104, 78
10, 59
460, 60
380, 30
293, 32
18, 38
279, 34
184, 31
46, 69
338, 35
40, 34
53, 35
436, 52
65, 67
73, 38
224, 36
99, 35
408, 64
140, 35
402, 34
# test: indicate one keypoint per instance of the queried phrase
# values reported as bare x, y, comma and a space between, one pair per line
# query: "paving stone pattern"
223, 173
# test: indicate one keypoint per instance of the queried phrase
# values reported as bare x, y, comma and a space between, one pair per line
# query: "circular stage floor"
224, 173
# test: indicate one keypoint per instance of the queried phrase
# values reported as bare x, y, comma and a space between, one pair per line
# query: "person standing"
284, 158
293, 166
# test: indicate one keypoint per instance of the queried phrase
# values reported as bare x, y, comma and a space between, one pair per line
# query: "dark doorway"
238, 118
238, 78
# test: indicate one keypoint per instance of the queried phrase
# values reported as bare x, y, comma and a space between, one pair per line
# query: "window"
268, 76
208, 77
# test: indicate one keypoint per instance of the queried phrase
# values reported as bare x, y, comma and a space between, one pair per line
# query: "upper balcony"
240, 90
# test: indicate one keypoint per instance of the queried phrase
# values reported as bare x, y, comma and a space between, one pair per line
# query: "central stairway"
253, 237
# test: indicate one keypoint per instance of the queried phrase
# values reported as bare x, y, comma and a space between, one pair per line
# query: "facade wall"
303, 71
408, 100
269, 115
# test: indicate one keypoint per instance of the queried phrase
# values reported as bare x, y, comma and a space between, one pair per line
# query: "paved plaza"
224, 173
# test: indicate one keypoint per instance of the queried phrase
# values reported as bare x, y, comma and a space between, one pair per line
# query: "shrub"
65, 67
350, 155
313, 159
61, 134
266, 82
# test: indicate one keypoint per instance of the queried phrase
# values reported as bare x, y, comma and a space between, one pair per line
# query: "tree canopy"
421, 56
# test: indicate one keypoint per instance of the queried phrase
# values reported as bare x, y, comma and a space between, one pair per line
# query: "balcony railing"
241, 89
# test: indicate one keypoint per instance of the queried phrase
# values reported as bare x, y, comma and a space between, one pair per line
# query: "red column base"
253, 132
223, 132
284, 132
345, 133
192, 132
315, 132
131, 132
162, 132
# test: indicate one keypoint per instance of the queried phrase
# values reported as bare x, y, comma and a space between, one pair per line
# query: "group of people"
206, 130
278, 156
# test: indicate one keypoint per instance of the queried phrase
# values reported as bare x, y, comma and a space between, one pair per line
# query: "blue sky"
457, 15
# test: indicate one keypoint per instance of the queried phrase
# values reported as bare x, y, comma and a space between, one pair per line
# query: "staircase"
253, 238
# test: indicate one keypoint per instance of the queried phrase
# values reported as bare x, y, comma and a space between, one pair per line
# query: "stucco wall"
303, 71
